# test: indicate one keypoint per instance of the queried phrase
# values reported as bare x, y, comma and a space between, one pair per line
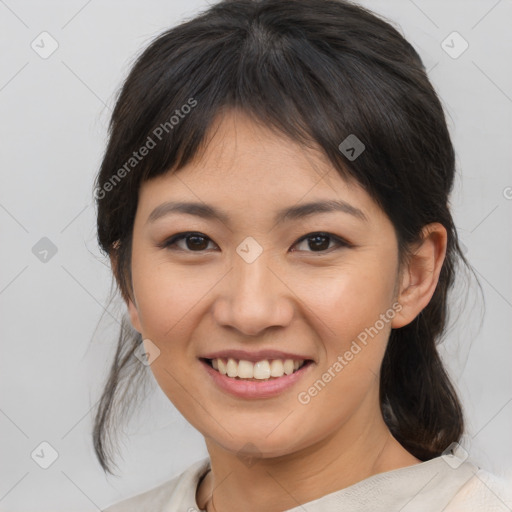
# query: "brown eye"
194, 242
320, 242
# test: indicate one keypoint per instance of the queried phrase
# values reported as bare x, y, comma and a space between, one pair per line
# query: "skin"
293, 297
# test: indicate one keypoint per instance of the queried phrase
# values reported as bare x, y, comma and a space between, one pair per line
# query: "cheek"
353, 342
166, 295
352, 312
348, 299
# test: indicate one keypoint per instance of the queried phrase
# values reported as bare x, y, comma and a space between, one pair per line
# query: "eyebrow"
287, 214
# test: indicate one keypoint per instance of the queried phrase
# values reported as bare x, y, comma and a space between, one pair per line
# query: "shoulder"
179, 490
484, 492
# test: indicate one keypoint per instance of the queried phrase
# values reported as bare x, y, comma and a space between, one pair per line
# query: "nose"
253, 298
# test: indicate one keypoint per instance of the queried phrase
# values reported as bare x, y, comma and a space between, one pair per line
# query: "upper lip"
255, 356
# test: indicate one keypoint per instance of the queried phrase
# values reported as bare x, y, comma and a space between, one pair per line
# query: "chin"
257, 443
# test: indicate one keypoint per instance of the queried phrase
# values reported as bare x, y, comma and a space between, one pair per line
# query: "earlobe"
134, 316
420, 276
132, 308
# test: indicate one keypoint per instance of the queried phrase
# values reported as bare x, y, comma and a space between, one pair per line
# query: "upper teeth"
261, 370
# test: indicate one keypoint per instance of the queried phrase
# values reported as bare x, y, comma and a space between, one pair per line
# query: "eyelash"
170, 242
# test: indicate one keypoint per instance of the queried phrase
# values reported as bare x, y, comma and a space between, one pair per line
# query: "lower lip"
254, 389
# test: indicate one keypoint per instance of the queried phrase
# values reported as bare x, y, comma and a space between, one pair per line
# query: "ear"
419, 277
130, 303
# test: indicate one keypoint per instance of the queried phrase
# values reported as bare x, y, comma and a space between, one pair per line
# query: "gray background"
54, 115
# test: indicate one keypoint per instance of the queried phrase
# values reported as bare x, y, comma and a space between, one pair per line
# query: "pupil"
319, 245
193, 244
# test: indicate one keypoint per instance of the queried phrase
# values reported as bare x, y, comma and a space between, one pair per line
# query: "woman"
274, 202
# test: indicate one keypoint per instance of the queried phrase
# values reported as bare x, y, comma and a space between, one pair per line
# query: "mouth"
264, 370
265, 378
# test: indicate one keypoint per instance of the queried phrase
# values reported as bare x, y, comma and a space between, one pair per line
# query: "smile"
260, 370
261, 379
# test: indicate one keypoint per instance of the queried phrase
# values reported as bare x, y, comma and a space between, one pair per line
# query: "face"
257, 284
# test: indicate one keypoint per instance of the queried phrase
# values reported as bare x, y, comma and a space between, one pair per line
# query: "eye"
194, 242
198, 242
320, 242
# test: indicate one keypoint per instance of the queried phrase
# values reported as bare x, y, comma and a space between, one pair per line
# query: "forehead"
247, 166
240, 147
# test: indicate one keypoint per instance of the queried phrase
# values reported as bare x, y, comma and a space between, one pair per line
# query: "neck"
349, 455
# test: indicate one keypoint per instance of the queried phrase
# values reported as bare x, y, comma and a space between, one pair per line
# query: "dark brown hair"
317, 71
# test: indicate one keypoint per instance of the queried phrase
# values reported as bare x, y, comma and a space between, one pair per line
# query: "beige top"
443, 484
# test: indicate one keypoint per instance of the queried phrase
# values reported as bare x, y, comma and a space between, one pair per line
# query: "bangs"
274, 65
